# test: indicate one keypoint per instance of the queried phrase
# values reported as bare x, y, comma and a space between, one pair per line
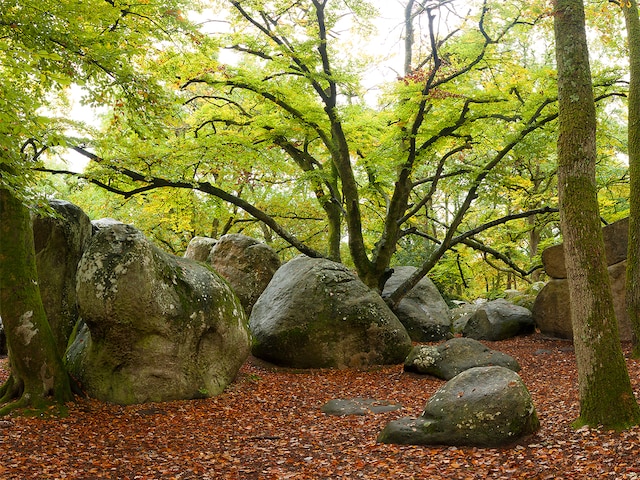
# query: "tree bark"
38, 376
632, 21
606, 396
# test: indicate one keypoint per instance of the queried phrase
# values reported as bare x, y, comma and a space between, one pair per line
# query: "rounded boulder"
316, 313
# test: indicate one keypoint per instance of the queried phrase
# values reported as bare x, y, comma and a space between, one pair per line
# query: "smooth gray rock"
481, 407
358, 406
59, 243
461, 315
105, 222
316, 313
246, 264
158, 327
199, 248
454, 356
423, 311
499, 320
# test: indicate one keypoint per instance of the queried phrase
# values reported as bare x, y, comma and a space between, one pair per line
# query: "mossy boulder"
158, 327
60, 240
455, 356
481, 407
316, 313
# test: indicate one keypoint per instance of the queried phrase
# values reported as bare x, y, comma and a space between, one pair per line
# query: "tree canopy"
259, 113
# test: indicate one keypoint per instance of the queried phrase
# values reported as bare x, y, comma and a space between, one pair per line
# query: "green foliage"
258, 109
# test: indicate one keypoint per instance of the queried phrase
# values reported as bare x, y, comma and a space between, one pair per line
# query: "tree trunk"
632, 21
38, 376
606, 396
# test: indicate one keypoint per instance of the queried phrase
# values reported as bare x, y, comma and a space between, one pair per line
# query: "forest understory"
268, 425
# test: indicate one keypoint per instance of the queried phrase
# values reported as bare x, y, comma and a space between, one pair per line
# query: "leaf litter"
268, 425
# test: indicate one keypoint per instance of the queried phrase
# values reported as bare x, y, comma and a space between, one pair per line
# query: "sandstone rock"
316, 313
455, 356
498, 320
423, 311
199, 248
158, 327
552, 309
59, 243
481, 407
246, 264
615, 242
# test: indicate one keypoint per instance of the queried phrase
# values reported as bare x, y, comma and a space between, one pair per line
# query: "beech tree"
374, 172
606, 396
632, 21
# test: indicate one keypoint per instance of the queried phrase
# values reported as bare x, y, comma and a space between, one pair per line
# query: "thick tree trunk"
632, 21
606, 396
38, 376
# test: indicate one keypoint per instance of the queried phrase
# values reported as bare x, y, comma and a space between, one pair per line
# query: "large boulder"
422, 311
60, 240
552, 308
246, 264
199, 248
461, 314
158, 327
455, 356
499, 320
615, 237
481, 407
316, 313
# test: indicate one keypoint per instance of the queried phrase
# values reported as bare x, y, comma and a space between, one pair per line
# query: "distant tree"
606, 396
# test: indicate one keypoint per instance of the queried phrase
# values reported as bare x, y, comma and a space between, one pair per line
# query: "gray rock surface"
316, 313
199, 248
105, 222
246, 264
158, 327
454, 356
59, 244
499, 320
481, 407
461, 315
423, 311
358, 406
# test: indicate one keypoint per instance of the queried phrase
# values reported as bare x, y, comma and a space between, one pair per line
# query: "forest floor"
268, 425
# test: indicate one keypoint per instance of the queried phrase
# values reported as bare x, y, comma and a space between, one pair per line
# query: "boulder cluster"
136, 324
133, 323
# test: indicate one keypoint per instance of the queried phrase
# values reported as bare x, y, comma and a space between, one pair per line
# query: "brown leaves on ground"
268, 425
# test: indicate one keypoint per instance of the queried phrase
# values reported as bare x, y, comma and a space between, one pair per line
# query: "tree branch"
152, 182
